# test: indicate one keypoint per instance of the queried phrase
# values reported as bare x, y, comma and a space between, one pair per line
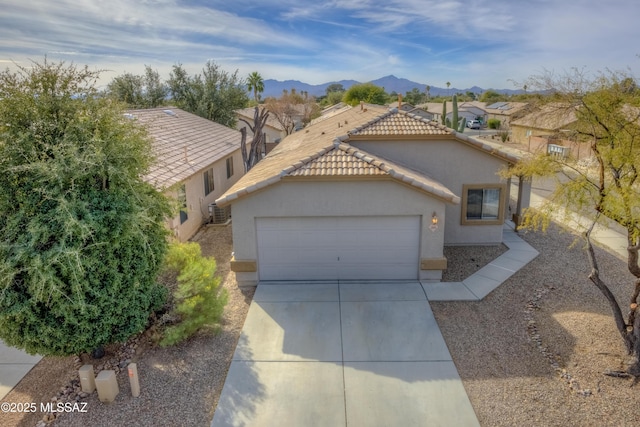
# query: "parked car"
474, 124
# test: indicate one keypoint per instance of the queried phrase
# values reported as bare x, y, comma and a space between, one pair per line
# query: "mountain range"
390, 84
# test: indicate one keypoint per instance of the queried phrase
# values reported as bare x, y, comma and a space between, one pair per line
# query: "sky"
487, 43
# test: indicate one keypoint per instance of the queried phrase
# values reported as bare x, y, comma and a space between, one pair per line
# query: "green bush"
494, 123
198, 300
82, 236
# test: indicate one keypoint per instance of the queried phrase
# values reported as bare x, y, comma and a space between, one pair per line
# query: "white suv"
474, 124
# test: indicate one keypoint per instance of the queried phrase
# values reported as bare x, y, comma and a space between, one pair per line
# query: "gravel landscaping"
531, 353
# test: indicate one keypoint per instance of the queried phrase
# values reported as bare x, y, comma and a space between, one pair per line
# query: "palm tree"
256, 84
448, 84
428, 90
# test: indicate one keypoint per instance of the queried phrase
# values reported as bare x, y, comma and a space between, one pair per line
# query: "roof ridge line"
372, 121
424, 119
364, 156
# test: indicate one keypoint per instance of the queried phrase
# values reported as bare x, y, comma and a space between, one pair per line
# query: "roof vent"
170, 113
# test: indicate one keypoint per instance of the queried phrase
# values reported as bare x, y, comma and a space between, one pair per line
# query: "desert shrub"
198, 300
494, 123
504, 135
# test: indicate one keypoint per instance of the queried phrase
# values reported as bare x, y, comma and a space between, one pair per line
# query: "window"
208, 181
483, 204
229, 167
182, 202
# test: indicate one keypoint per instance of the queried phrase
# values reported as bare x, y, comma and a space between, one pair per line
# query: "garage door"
338, 248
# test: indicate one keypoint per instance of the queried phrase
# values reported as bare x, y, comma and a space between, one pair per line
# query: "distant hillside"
389, 83
275, 87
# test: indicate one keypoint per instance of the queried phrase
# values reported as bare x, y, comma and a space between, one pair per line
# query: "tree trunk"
243, 147
252, 156
629, 330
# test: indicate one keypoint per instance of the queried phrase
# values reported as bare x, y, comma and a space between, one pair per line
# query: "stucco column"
508, 199
524, 196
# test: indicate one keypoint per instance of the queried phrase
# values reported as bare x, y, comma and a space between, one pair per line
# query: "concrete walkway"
14, 364
481, 283
354, 354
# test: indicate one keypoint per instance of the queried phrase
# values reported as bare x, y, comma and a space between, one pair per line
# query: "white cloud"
468, 42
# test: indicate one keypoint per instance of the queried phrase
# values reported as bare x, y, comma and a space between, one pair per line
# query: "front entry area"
338, 248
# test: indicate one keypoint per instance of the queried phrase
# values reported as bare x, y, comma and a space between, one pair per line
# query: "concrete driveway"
336, 354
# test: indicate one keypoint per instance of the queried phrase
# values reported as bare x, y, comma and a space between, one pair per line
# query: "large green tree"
81, 234
145, 91
215, 94
491, 97
367, 92
414, 97
607, 108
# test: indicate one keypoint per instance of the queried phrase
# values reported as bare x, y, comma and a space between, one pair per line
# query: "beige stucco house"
548, 120
197, 160
367, 194
552, 129
506, 112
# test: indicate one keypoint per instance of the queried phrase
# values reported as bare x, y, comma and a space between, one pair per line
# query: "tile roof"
338, 163
183, 143
344, 160
553, 116
330, 112
322, 150
506, 108
400, 123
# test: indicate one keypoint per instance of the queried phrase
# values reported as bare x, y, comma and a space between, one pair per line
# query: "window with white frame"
483, 204
208, 181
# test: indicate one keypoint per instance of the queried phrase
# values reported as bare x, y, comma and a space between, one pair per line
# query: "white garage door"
338, 248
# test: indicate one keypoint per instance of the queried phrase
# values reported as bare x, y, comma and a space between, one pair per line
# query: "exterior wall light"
434, 222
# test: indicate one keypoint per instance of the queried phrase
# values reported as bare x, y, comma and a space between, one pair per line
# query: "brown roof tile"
337, 163
400, 123
552, 117
183, 143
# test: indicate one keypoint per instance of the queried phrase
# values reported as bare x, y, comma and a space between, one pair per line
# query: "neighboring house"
197, 161
402, 106
419, 111
506, 111
552, 124
377, 202
468, 110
